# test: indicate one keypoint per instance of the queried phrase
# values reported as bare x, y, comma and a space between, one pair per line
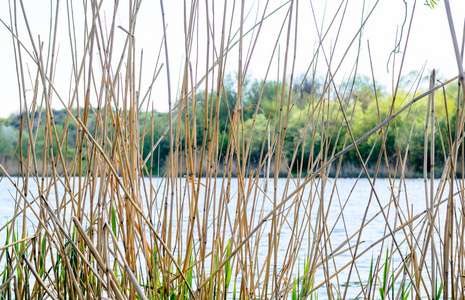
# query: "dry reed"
101, 225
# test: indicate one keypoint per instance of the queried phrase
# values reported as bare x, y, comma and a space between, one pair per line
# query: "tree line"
260, 107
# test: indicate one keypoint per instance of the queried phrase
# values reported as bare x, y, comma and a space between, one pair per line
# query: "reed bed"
101, 224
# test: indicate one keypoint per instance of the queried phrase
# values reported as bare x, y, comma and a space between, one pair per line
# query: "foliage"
431, 3
260, 99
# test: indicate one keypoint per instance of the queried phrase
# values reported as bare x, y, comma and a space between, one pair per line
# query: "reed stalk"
233, 193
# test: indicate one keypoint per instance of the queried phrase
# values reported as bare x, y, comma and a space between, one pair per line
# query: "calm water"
355, 200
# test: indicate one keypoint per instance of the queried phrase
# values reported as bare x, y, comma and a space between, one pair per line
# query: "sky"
429, 41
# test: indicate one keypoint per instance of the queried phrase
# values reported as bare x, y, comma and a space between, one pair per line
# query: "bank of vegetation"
366, 107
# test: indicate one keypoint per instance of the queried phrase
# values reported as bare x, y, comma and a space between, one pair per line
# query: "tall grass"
101, 225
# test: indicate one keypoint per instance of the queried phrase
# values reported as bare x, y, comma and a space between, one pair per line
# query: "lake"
350, 196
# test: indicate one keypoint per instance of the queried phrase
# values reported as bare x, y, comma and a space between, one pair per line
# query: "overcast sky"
430, 40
